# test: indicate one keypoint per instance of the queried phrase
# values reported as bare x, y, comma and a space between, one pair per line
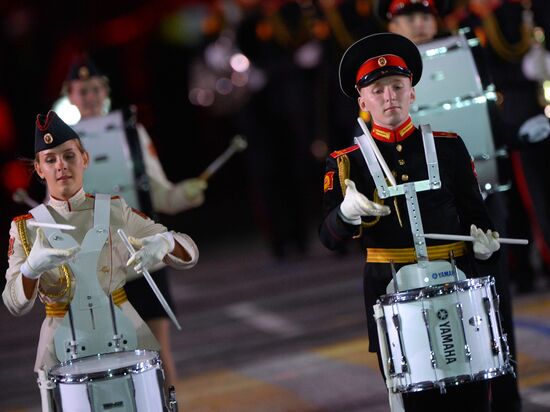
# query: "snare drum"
129, 381
442, 335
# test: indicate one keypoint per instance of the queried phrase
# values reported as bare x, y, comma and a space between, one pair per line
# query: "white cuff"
170, 238
190, 247
483, 256
355, 222
28, 271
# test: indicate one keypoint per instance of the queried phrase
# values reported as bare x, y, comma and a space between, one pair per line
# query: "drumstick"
441, 236
22, 197
60, 226
150, 280
376, 151
238, 144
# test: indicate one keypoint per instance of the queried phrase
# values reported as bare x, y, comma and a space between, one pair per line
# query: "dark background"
153, 53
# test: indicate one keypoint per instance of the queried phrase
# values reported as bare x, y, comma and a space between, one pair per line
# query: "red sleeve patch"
152, 150
450, 135
10, 247
328, 183
338, 153
23, 217
473, 166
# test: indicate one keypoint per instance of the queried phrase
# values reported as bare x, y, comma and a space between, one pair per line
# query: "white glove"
152, 250
536, 63
193, 189
535, 129
43, 257
356, 204
484, 243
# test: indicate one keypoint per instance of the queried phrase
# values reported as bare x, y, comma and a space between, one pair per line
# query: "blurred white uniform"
167, 197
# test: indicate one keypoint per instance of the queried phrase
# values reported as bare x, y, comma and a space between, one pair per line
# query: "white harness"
93, 324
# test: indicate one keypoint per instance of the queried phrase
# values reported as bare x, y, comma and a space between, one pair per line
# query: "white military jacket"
167, 197
57, 287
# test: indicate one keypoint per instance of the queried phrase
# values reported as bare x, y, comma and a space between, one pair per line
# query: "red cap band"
397, 5
385, 60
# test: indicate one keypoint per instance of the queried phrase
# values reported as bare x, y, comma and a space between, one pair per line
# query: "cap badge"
382, 61
83, 73
48, 138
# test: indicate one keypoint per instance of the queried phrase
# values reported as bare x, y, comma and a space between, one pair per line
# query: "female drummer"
36, 269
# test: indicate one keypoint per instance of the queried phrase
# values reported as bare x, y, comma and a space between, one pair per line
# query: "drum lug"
433, 359
494, 344
397, 324
172, 401
467, 351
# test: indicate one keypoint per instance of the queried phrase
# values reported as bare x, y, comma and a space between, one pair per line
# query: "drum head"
105, 365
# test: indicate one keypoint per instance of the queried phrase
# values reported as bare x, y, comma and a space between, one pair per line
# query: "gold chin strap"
64, 282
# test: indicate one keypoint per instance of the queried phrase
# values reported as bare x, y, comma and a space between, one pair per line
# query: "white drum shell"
73, 379
453, 332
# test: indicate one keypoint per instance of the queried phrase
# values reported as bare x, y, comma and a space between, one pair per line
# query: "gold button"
405, 178
401, 162
105, 269
399, 147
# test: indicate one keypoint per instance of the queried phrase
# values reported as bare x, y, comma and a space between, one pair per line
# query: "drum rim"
107, 373
482, 375
436, 290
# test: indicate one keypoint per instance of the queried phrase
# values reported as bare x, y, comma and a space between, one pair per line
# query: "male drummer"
420, 21
380, 71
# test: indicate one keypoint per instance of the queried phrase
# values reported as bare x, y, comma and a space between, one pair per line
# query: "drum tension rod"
487, 306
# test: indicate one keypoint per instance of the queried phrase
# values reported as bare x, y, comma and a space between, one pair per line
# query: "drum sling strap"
140, 175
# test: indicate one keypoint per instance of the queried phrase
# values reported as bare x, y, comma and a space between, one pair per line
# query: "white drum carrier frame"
435, 327
93, 324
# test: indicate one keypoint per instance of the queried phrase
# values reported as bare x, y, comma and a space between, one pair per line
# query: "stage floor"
266, 336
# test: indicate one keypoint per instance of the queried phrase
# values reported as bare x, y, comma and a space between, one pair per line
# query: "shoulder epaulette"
140, 213
93, 196
451, 135
23, 217
338, 153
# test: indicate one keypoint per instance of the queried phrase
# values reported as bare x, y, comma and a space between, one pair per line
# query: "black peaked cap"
378, 44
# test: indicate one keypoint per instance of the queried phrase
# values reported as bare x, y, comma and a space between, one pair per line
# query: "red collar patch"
390, 136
